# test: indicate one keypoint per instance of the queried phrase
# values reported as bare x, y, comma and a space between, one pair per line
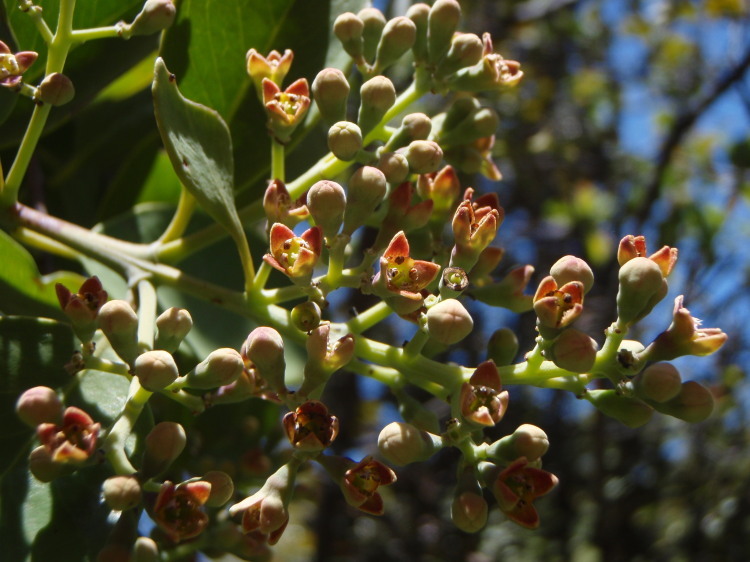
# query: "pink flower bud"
155, 16
448, 322
12, 66
469, 508
424, 156
574, 351
402, 443
330, 90
394, 166
56, 89
39, 405
527, 441
121, 492
43, 468
571, 268
156, 370
659, 382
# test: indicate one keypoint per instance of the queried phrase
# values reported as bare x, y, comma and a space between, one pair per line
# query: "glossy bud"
414, 126
448, 322
155, 16
424, 156
264, 349
398, 36
373, 22
222, 366
571, 268
377, 96
659, 382
693, 404
402, 443
630, 411
527, 441
330, 89
574, 351
56, 89
642, 286
118, 321
306, 316
164, 443
172, 326
502, 347
326, 201
345, 140
366, 190
222, 487
349, 28
442, 23
156, 369
39, 405
121, 492
394, 166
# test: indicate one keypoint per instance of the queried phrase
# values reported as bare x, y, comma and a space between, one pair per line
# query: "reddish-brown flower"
310, 427
73, 441
517, 487
263, 513
12, 66
635, 247
442, 187
287, 108
400, 274
402, 215
558, 307
361, 482
279, 207
82, 307
178, 510
482, 400
293, 255
475, 225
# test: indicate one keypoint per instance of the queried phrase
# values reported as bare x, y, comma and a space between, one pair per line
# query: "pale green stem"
98, 364
180, 220
147, 304
45, 243
35, 13
386, 375
332, 279
114, 443
190, 401
416, 343
368, 318
282, 294
277, 160
248, 269
261, 278
106, 32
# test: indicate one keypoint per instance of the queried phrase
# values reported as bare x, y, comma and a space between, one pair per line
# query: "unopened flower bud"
419, 14
344, 140
349, 28
264, 349
630, 411
118, 321
394, 166
693, 404
466, 49
571, 268
326, 201
43, 468
330, 90
377, 96
414, 126
448, 322
121, 492
172, 326
574, 351
145, 549
155, 16
222, 366
642, 286
164, 443
306, 316
373, 24
459, 111
156, 369
502, 346
39, 405
402, 443
442, 24
658, 382
56, 89
527, 441
480, 123
222, 487
424, 156
366, 190
398, 36
469, 508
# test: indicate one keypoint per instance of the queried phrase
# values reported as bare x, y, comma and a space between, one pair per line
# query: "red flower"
481, 399
400, 274
558, 307
361, 482
178, 509
517, 487
72, 442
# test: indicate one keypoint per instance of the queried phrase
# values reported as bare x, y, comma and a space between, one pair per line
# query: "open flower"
71, 442
557, 307
635, 247
402, 215
475, 225
12, 66
274, 67
442, 187
400, 274
82, 307
684, 337
287, 108
361, 482
482, 400
492, 72
310, 428
516, 487
178, 510
264, 512
293, 255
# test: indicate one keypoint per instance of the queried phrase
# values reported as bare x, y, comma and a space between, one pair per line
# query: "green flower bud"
571, 268
56, 89
527, 441
164, 443
39, 405
145, 549
642, 286
222, 366
394, 166
330, 91
306, 316
459, 111
172, 326
344, 140
424, 156
402, 443
155, 16
222, 487
502, 347
326, 201
377, 96
398, 36
118, 321
449, 322
366, 190
156, 369
441, 25
480, 123
630, 411
419, 14
349, 29
43, 467
693, 404
374, 23
466, 49
659, 382
574, 351
264, 348
415, 126
122, 492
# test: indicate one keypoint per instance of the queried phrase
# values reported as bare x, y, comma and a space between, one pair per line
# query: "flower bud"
326, 201
630, 411
264, 349
344, 140
574, 351
448, 322
481, 122
172, 326
398, 36
424, 156
156, 370
330, 90
349, 29
39, 405
222, 487
306, 316
693, 404
377, 96
402, 443
508, 292
469, 508
571, 268
121, 492
43, 467
310, 428
145, 549
373, 22
222, 366
164, 443
119, 323
419, 14
155, 16
414, 126
82, 307
502, 346
442, 24
366, 190
394, 166
659, 382
642, 286
56, 89
527, 441
466, 49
